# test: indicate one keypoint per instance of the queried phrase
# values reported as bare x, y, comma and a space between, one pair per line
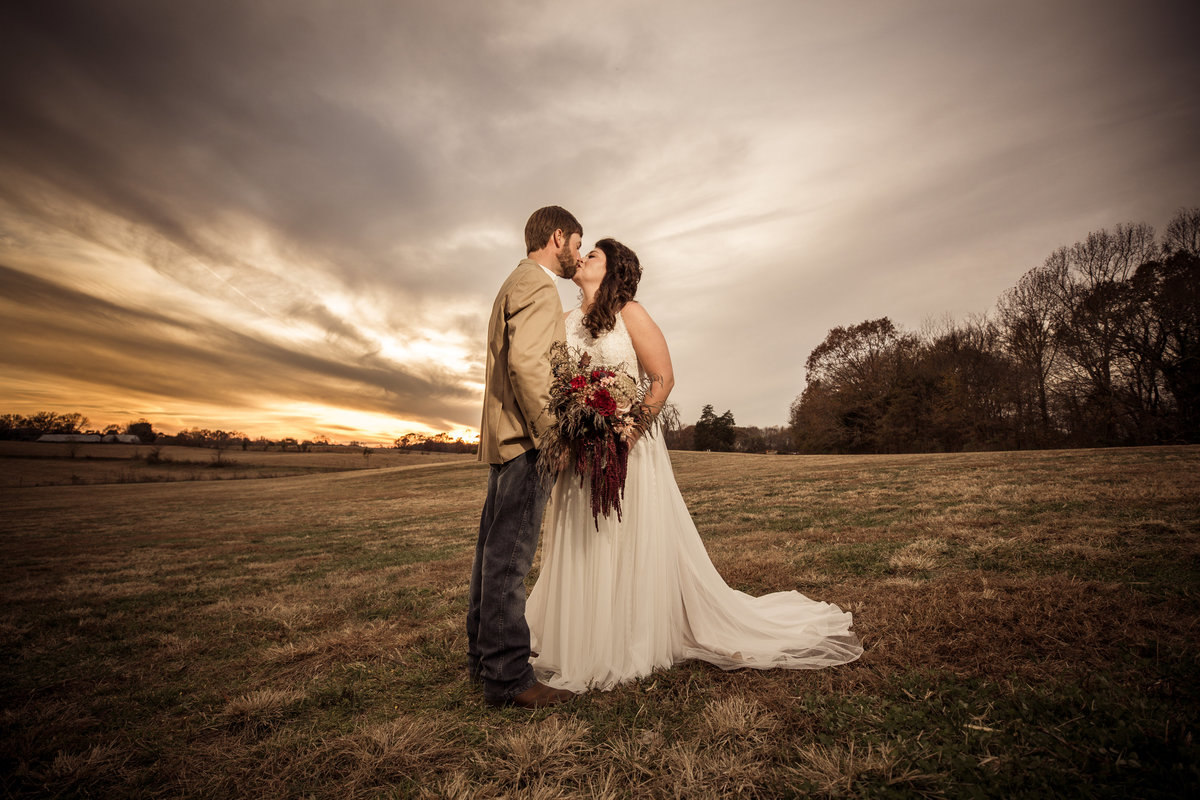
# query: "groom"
526, 319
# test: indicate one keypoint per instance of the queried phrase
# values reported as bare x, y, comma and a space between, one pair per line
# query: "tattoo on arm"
655, 408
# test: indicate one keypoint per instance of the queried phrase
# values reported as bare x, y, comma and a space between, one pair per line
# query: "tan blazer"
526, 319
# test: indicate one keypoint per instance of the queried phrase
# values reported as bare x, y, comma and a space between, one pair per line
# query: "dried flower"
597, 409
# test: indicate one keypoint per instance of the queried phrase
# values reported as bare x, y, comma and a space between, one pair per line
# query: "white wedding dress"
612, 605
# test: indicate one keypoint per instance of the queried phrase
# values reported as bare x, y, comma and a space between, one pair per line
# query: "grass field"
1030, 624
57, 464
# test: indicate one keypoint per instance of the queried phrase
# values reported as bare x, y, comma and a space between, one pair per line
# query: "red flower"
600, 374
603, 402
578, 382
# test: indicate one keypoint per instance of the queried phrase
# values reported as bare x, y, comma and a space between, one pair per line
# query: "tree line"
710, 432
20, 427
722, 433
31, 427
436, 443
1097, 346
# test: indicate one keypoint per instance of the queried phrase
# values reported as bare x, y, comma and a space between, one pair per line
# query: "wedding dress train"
613, 604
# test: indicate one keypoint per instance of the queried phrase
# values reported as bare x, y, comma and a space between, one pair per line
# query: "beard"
568, 263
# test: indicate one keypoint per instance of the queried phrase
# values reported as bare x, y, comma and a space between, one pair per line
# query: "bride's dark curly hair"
618, 287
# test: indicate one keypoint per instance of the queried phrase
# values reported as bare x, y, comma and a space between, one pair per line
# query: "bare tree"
1091, 285
1027, 314
966, 378
222, 440
1183, 232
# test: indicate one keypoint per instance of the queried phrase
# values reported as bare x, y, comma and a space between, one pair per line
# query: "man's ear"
559, 238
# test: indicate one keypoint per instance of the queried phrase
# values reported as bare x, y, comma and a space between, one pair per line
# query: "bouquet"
597, 410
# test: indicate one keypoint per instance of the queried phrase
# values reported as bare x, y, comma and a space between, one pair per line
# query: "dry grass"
1030, 622
25, 464
260, 710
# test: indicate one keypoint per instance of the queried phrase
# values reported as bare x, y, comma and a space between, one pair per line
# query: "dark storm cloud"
167, 113
343, 130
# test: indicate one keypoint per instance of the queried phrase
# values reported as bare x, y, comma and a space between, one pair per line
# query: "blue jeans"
497, 634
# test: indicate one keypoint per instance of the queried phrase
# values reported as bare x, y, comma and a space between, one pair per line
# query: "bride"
613, 604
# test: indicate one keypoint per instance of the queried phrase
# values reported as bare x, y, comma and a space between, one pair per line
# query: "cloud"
319, 201
56, 330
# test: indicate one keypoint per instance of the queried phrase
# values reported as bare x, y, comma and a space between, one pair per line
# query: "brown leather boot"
537, 696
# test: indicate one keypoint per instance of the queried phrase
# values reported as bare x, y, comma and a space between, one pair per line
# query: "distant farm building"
70, 437
122, 438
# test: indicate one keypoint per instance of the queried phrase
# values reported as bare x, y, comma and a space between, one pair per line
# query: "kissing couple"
617, 596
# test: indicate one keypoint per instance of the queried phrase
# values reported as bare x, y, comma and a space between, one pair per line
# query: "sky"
292, 218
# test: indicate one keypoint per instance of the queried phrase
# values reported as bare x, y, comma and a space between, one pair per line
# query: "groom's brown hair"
544, 222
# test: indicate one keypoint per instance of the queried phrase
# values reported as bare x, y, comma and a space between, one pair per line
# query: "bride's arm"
651, 348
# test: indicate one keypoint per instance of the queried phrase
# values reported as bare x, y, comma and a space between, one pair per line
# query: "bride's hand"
632, 436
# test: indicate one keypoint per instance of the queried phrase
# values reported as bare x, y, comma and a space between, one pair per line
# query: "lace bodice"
613, 348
